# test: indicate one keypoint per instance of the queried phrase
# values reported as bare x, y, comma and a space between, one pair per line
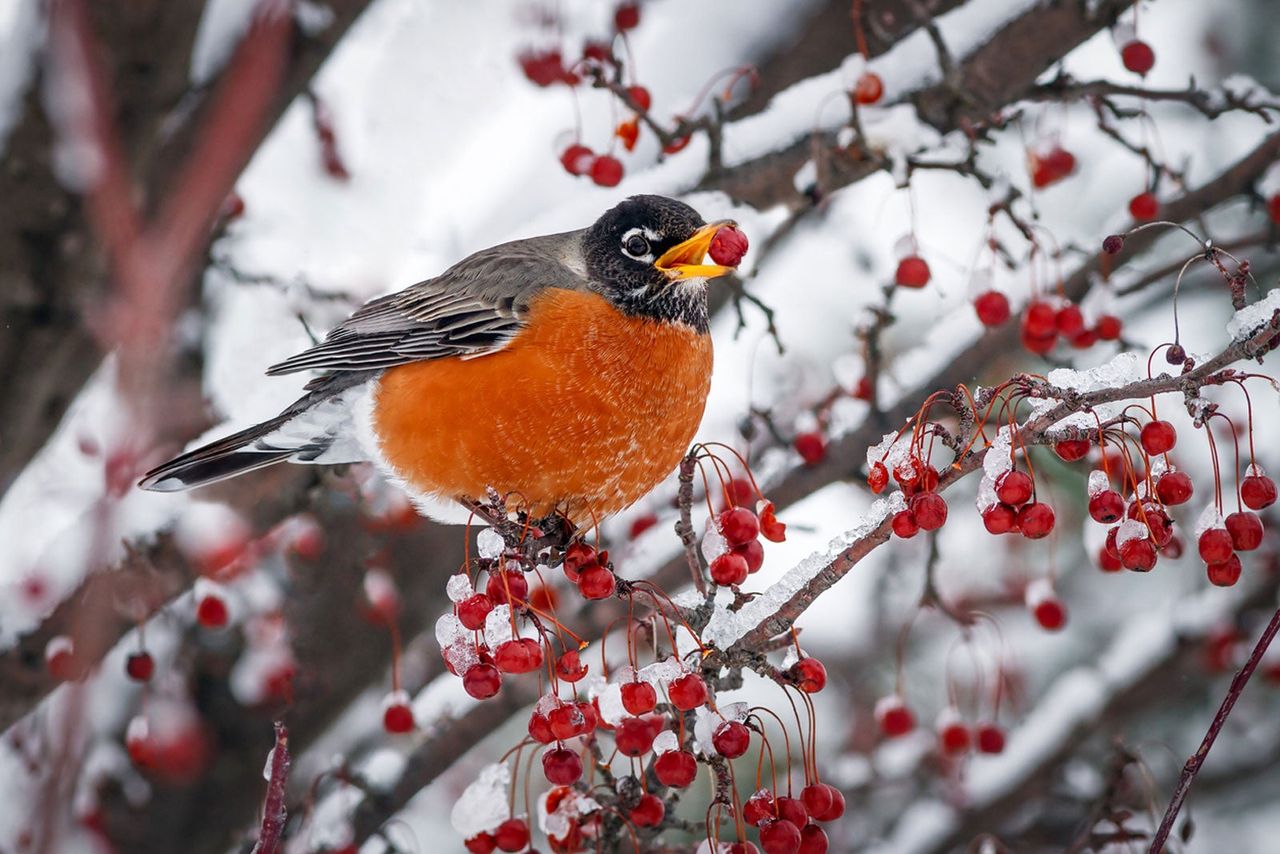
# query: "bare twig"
1193, 764
273, 808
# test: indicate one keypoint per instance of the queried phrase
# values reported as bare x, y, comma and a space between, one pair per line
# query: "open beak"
684, 260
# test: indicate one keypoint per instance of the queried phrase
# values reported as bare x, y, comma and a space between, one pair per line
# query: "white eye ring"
636, 244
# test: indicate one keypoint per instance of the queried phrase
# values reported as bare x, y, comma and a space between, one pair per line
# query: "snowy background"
450, 149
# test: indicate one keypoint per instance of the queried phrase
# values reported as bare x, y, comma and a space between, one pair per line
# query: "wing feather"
473, 308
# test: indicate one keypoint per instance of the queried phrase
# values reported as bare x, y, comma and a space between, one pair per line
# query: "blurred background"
189, 191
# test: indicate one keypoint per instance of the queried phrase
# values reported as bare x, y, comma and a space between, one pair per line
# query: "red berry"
770, 528
837, 805
809, 675
760, 807
869, 88
1144, 207
1174, 487
1106, 506
1138, 57
596, 582
894, 717
731, 739
1035, 520
992, 308
990, 738
811, 447
540, 728
634, 737
1109, 327
817, 799
813, 840
1258, 491
398, 718
779, 837
62, 661
675, 768
140, 666
1138, 554
1040, 320
566, 721
1040, 345
606, 170
648, 811
688, 692
1000, 519
1224, 574
912, 272
954, 738
1051, 166
728, 246
1109, 561
878, 478
519, 655
752, 553
1273, 208
512, 835
569, 666
211, 611
904, 525
1014, 488
1069, 320
676, 145
1050, 613
562, 767
481, 843
627, 17
739, 526
929, 511
792, 810
1071, 450
728, 569
1245, 529
473, 610
639, 698
507, 586
577, 159
1215, 545
482, 681
1158, 437
641, 97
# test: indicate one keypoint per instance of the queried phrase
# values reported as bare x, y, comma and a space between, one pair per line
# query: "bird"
568, 371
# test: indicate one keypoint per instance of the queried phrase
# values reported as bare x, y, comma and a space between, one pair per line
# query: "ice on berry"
1208, 518
1131, 529
998, 460
459, 587
497, 626
483, 805
489, 543
665, 741
1098, 482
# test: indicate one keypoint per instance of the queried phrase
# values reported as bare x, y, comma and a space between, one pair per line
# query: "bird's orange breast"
585, 411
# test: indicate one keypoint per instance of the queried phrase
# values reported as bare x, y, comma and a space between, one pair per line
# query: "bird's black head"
645, 255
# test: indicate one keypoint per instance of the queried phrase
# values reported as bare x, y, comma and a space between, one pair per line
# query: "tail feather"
225, 458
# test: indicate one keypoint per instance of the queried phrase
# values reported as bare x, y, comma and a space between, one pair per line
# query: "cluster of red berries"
742, 530
791, 825
955, 738
926, 509
1043, 323
512, 835
1016, 511
1241, 531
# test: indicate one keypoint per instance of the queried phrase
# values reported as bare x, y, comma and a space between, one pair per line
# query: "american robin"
569, 371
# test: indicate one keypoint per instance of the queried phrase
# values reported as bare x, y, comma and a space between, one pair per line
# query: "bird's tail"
236, 454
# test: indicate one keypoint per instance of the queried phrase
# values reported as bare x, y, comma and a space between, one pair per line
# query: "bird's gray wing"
475, 307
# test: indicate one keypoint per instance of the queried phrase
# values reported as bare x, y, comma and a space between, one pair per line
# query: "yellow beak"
684, 260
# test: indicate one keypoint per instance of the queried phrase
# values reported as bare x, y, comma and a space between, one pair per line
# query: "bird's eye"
636, 246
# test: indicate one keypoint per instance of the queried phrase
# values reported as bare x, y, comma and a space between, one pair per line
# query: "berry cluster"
741, 530
1044, 322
